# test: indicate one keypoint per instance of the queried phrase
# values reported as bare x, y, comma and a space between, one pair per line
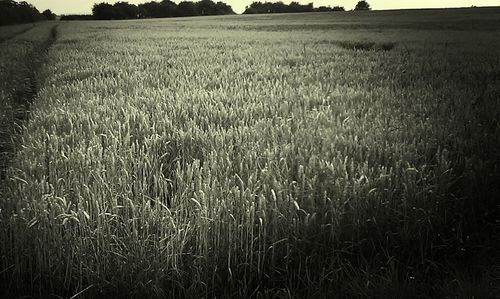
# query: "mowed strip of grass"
167, 160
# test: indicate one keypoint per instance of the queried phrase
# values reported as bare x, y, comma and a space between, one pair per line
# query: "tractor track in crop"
21, 100
2, 40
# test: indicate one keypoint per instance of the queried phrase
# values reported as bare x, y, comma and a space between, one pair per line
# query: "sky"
85, 6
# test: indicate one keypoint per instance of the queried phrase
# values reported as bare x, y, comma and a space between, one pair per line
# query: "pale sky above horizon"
85, 6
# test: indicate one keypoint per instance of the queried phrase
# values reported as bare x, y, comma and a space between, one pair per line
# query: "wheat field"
293, 156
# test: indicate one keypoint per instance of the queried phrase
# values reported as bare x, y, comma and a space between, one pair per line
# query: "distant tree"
186, 9
362, 5
164, 9
250, 10
151, 10
294, 6
124, 10
223, 9
324, 8
12, 12
119, 11
49, 14
206, 7
168, 8
328, 8
254, 8
103, 11
77, 17
279, 7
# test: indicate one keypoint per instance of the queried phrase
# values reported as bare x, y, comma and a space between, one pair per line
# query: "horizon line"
350, 10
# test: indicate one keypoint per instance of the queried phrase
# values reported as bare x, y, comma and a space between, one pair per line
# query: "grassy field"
268, 156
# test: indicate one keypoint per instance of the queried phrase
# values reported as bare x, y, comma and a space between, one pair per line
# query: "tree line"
76, 17
280, 7
164, 9
12, 12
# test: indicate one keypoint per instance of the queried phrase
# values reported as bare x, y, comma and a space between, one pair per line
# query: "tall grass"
168, 163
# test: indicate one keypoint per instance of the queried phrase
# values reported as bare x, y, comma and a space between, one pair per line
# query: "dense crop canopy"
167, 157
